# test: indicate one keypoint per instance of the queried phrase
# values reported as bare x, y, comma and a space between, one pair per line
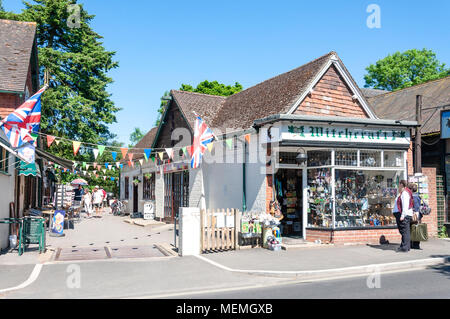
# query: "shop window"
393, 159
365, 198
346, 158
370, 158
319, 198
4, 154
149, 187
319, 158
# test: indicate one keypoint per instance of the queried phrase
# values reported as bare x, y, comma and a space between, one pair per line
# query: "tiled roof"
16, 43
205, 105
368, 92
273, 96
401, 104
145, 142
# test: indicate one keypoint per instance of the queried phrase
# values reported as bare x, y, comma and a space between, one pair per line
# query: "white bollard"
189, 233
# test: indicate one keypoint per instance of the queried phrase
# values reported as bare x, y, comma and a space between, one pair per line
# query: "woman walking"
403, 212
87, 198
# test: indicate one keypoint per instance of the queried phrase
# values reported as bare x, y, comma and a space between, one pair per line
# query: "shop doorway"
176, 193
289, 193
135, 197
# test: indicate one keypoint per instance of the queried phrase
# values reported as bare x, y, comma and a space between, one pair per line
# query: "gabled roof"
205, 105
145, 142
16, 44
401, 104
278, 95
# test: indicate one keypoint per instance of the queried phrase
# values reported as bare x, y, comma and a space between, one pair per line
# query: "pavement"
329, 260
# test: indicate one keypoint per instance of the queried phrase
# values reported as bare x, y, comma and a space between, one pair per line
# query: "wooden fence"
219, 230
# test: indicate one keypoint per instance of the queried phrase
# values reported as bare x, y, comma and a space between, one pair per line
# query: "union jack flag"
203, 135
24, 120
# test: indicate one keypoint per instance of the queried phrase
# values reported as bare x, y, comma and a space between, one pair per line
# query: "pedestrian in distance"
403, 212
87, 199
97, 200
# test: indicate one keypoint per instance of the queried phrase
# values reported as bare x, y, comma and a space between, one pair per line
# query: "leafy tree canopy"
136, 136
76, 105
401, 70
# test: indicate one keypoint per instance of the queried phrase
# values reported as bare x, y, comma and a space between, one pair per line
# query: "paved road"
421, 284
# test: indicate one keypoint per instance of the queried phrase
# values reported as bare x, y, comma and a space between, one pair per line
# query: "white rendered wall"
7, 184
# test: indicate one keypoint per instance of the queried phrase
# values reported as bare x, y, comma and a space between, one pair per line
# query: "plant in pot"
147, 175
136, 181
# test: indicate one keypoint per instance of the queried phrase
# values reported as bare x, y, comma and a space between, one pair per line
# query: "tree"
213, 88
136, 136
401, 70
1, 6
76, 105
205, 87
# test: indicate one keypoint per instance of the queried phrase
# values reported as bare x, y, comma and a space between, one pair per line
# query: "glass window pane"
393, 159
346, 158
365, 198
287, 158
319, 158
319, 198
370, 158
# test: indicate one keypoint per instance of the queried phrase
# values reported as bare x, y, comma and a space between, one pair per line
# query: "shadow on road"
384, 246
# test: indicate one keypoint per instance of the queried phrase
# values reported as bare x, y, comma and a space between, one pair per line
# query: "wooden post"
227, 230
202, 230
208, 230
213, 230
418, 138
237, 224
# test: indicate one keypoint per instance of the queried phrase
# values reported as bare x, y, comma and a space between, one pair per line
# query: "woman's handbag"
419, 232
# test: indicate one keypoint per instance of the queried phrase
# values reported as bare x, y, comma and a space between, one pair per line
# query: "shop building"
341, 191
19, 79
434, 146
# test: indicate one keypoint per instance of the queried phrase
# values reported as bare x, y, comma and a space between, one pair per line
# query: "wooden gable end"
331, 96
172, 120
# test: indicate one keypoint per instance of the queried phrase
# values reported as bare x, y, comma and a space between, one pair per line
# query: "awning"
28, 169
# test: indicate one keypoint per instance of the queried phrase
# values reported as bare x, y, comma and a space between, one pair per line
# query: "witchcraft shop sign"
344, 134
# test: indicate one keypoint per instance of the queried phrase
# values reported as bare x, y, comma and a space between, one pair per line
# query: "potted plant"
136, 181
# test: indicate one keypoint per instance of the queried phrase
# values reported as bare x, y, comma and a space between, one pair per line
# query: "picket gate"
219, 230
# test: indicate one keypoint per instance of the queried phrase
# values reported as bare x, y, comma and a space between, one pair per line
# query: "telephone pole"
418, 138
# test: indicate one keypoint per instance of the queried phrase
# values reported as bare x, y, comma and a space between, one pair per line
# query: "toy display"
289, 192
319, 197
364, 198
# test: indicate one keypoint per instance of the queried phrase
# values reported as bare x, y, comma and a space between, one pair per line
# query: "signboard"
333, 133
445, 124
58, 222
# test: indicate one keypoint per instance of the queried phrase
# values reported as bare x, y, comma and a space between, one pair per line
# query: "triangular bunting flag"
114, 155
141, 161
184, 149
104, 171
247, 138
57, 142
106, 165
87, 166
84, 164
169, 152
76, 147
121, 166
118, 164
130, 156
101, 149
147, 153
161, 155
210, 147
50, 140
95, 151
124, 151
104, 178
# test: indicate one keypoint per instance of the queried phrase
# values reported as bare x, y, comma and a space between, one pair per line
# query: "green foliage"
401, 70
213, 88
162, 107
136, 136
443, 232
76, 105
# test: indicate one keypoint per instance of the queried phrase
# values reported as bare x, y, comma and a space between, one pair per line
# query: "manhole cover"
135, 252
81, 254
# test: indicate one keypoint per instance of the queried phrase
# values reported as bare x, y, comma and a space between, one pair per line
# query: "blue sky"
162, 44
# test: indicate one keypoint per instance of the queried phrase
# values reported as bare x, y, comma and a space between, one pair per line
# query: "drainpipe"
244, 182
